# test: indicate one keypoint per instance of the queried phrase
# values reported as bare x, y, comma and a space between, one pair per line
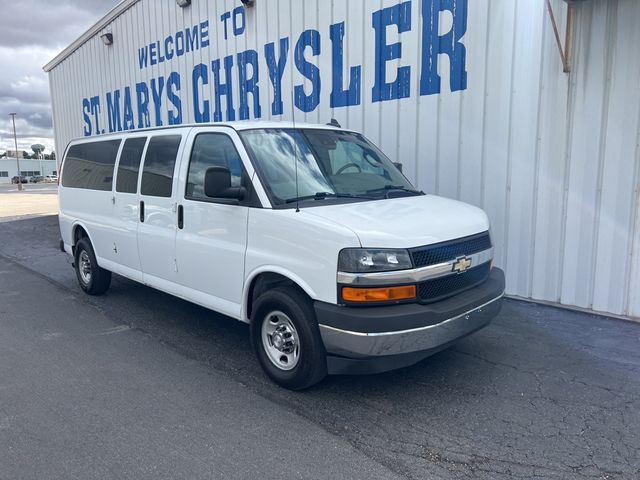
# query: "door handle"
180, 217
142, 212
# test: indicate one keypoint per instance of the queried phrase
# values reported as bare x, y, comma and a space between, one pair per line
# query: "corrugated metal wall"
553, 158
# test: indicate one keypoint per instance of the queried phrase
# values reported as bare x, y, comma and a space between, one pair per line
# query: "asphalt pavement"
138, 384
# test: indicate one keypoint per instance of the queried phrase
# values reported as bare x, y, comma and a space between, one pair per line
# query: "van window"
212, 150
90, 165
159, 165
129, 166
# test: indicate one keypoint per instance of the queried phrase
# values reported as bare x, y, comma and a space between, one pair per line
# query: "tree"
38, 150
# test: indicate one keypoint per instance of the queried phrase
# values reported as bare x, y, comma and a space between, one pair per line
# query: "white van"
307, 232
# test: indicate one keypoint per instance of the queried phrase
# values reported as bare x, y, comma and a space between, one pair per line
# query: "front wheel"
92, 279
286, 339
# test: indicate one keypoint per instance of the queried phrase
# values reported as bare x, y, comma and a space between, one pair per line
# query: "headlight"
363, 260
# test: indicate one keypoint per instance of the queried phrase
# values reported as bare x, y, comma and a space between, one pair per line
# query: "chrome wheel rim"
280, 340
84, 267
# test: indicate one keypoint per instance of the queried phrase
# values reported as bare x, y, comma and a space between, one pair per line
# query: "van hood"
406, 222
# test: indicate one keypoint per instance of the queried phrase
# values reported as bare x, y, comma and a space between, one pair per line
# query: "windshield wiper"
389, 188
324, 195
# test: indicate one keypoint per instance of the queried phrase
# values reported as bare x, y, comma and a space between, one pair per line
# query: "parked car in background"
19, 179
51, 179
36, 179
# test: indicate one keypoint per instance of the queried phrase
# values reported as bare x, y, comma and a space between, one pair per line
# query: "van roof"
237, 126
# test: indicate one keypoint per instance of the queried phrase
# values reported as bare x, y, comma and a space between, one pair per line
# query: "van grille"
441, 288
443, 252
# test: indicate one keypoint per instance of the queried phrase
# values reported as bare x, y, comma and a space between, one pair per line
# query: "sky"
33, 32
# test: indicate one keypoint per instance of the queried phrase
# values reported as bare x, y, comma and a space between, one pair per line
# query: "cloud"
49, 24
38, 31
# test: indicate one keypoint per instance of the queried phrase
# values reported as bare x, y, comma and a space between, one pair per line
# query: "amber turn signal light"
388, 294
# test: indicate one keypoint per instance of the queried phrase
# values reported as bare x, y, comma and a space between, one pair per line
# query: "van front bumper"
377, 339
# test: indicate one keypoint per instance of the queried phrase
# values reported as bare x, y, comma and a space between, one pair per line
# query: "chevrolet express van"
308, 233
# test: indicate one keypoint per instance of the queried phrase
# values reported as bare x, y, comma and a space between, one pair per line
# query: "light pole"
15, 139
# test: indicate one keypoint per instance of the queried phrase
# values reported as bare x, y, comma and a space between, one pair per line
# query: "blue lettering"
160, 56
192, 39
142, 95
128, 110
156, 93
223, 89
180, 44
224, 19
95, 110
239, 29
153, 53
143, 56
449, 44
276, 71
200, 73
399, 15
168, 47
340, 97
308, 103
249, 85
204, 33
113, 111
173, 82
86, 111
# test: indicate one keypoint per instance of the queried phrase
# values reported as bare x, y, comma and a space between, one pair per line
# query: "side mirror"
398, 165
217, 184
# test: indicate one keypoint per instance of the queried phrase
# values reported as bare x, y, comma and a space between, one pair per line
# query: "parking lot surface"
35, 199
138, 384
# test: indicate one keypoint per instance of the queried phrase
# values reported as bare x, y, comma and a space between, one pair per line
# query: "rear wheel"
286, 338
92, 279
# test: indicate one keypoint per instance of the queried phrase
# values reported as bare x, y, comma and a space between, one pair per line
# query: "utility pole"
15, 140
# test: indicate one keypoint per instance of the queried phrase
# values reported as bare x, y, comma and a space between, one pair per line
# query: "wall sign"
236, 78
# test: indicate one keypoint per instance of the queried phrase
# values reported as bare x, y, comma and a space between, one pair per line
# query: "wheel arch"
266, 278
79, 231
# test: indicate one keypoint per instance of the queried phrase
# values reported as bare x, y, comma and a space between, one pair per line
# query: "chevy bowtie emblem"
462, 264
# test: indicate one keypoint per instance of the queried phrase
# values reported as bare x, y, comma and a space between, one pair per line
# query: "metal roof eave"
118, 10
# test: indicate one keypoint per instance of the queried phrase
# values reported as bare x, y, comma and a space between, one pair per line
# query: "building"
471, 96
12, 153
29, 168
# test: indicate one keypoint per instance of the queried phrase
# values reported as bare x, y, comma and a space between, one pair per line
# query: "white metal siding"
553, 158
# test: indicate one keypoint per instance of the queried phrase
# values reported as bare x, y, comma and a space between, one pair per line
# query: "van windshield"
328, 165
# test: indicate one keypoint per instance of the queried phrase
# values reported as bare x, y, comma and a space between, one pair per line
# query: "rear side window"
212, 150
90, 165
159, 165
129, 166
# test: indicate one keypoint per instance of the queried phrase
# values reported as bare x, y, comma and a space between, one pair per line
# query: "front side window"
159, 166
314, 164
90, 165
212, 150
129, 166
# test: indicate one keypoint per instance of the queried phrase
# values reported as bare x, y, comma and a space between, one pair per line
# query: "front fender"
271, 269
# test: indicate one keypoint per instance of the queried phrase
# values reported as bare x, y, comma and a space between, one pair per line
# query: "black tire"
99, 280
311, 365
